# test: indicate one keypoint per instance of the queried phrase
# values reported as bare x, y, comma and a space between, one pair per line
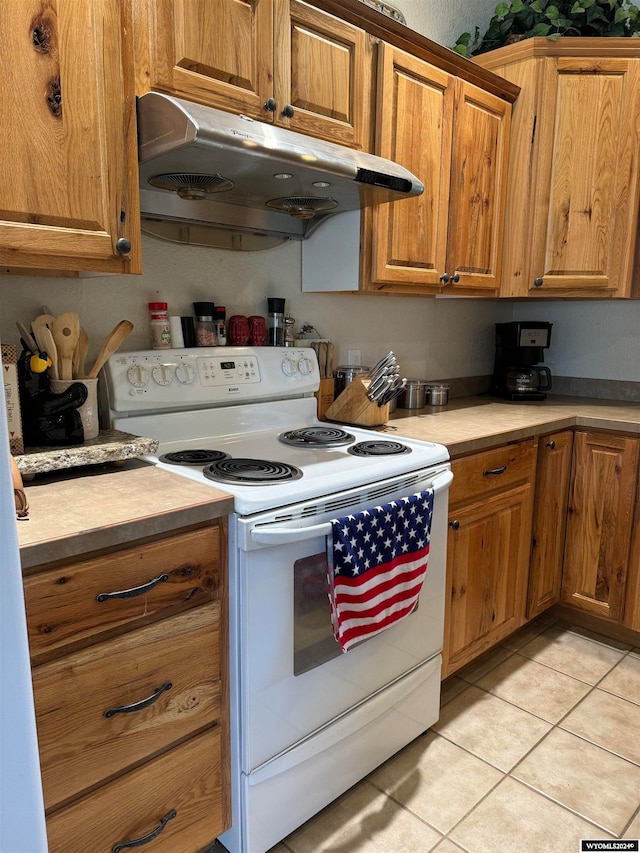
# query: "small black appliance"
517, 371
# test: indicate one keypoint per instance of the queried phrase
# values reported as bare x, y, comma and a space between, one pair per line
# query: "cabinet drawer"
67, 604
491, 470
83, 739
186, 780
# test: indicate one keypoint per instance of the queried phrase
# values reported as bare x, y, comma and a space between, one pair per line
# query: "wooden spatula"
66, 332
112, 342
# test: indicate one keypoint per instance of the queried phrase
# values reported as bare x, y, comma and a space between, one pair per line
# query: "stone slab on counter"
74, 515
477, 423
109, 446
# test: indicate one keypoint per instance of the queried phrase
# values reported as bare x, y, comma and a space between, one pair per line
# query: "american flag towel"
377, 560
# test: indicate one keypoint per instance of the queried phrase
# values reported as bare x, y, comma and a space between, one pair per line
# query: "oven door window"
313, 640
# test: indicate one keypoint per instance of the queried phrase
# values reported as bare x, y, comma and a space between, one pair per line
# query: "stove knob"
185, 374
304, 366
289, 367
162, 374
138, 375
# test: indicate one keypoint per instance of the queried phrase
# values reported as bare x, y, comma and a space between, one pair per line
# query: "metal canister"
437, 394
413, 396
346, 373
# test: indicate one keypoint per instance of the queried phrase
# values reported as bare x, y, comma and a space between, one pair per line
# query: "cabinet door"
585, 214
322, 75
632, 603
68, 152
219, 54
478, 183
407, 240
599, 523
549, 521
487, 564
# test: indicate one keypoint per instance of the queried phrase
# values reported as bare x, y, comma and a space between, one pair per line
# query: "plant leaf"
554, 36
461, 49
577, 9
621, 15
541, 30
553, 13
501, 10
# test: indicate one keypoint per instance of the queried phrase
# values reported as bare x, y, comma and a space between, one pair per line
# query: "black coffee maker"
517, 374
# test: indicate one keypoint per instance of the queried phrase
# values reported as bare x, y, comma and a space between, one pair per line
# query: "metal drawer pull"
455, 524
138, 706
131, 593
551, 445
138, 842
492, 471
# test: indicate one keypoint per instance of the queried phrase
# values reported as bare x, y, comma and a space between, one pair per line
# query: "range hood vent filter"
191, 186
302, 208
203, 167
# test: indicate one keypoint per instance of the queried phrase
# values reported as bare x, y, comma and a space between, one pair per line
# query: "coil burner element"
193, 457
251, 471
318, 436
378, 448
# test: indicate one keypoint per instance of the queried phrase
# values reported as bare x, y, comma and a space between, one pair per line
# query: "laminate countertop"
103, 507
468, 424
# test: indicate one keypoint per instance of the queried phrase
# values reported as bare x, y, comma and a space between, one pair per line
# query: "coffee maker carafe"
517, 373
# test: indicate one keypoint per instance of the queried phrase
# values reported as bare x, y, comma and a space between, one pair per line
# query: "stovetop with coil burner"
270, 448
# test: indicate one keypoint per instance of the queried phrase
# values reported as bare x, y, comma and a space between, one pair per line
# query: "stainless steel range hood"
213, 178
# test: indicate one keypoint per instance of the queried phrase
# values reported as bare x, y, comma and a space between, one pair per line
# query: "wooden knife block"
354, 407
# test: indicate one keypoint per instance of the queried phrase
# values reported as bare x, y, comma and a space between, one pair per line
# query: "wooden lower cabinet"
553, 476
128, 653
178, 795
488, 550
599, 523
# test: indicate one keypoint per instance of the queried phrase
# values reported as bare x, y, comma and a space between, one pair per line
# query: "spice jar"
159, 324
220, 324
205, 329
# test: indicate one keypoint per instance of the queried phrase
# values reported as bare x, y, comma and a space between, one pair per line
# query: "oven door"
291, 679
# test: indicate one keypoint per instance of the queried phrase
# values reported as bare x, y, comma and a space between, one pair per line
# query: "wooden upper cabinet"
573, 186
279, 61
215, 53
599, 523
408, 239
453, 136
68, 157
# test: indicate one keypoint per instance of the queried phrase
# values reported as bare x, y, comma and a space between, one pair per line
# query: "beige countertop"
103, 507
475, 423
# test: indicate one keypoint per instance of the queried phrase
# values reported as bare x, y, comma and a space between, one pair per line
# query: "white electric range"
307, 721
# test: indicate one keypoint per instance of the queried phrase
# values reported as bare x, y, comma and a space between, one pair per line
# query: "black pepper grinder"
275, 321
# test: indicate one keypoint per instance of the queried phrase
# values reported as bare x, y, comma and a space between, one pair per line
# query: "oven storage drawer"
186, 780
485, 472
74, 603
105, 708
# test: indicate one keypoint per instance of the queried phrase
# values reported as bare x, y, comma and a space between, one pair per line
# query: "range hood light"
282, 176
321, 184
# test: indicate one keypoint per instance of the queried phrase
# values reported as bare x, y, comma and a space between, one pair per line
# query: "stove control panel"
161, 380
222, 370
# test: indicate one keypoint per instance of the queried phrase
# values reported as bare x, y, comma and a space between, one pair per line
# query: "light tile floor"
537, 747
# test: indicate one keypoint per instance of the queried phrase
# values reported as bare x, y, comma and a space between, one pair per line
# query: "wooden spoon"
66, 333
113, 340
80, 355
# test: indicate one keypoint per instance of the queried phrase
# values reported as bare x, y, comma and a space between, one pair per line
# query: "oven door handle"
281, 535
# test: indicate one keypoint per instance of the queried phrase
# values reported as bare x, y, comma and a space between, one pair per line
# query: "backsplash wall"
432, 339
